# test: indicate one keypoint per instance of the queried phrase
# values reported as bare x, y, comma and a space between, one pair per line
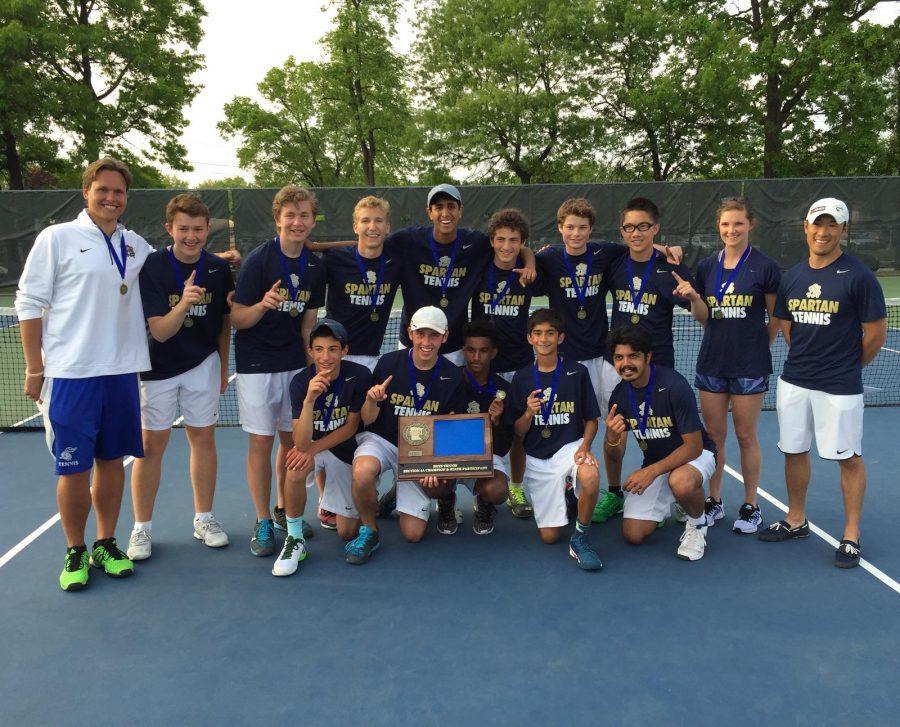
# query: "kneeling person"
658, 405
485, 394
326, 398
417, 381
554, 408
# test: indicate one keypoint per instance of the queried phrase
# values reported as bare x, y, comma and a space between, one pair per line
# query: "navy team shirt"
656, 304
826, 309
737, 345
350, 297
508, 313
585, 337
478, 401
575, 403
421, 278
160, 292
345, 396
274, 343
673, 412
446, 396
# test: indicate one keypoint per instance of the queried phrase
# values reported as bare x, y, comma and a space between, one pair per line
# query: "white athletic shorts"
367, 361
655, 503
499, 466
338, 495
604, 379
836, 420
456, 357
545, 481
264, 402
195, 392
411, 498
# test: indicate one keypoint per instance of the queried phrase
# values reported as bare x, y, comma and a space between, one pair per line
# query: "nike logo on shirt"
842, 271
350, 378
466, 247
445, 378
213, 270
86, 249
571, 373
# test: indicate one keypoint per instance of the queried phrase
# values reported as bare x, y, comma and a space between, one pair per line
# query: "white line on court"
863, 563
892, 350
34, 535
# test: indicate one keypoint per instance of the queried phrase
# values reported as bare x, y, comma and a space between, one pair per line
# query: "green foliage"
344, 121
225, 183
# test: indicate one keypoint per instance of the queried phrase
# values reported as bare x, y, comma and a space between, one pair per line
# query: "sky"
240, 46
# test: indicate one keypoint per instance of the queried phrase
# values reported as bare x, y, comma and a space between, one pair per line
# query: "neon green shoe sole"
75, 574
607, 506
113, 561
518, 504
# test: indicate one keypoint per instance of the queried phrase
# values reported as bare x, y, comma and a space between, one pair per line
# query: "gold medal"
545, 432
188, 322
642, 443
444, 302
123, 288
635, 318
294, 312
718, 313
373, 316
582, 314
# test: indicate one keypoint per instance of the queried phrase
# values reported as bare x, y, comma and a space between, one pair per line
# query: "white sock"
515, 484
142, 526
697, 522
202, 517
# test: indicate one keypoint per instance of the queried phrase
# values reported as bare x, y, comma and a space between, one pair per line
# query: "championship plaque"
452, 446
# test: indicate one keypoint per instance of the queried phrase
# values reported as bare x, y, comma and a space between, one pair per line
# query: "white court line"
863, 563
892, 350
38, 532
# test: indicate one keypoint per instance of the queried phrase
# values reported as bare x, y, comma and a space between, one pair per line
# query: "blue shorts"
99, 416
740, 386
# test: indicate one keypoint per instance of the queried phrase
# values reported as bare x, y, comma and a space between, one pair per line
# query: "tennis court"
464, 629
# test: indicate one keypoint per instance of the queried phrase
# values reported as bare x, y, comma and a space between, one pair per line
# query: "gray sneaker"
211, 533
139, 545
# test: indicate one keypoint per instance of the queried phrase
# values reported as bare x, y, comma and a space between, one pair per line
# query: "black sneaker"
446, 523
847, 554
484, 517
387, 503
776, 532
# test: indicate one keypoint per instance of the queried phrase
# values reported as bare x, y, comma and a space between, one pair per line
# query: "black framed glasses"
643, 227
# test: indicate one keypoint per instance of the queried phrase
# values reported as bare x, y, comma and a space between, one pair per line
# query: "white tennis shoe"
693, 542
139, 545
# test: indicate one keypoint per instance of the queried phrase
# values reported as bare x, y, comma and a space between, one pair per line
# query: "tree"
503, 89
344, 121
123, 67
225, 183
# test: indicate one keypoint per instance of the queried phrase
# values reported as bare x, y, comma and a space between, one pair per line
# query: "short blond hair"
372, 202
294, 194
106, 164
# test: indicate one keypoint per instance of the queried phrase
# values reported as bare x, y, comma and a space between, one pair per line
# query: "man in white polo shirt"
833, 317
78, 302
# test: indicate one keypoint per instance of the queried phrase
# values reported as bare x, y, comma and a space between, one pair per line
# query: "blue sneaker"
582, 551
263, 541
361, 549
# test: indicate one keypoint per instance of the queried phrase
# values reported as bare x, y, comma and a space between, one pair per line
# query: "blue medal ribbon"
638, 296
179, 278
120, 264
580, 291
642, 418
292, 289
495, 299
488, 390
719, 291
335, 389
445, 281
547, 408
379, 278
420, 401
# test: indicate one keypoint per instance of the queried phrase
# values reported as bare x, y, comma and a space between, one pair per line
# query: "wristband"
613, 444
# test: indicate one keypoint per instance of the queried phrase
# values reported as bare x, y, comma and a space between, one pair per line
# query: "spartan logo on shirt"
435, 274
590, 283
299, 304
66, 459
129, 251
813, 309
624, 301
473, 408
733, 306
295, 280
371, 277
657, 427
361, 293
338, 415
560, 413
509, 305
444, 261
636, 282
420, 389
198, 310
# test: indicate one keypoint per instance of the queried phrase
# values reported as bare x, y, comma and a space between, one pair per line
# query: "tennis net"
881, 378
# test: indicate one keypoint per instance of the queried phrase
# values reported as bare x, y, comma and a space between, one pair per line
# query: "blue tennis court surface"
498, 629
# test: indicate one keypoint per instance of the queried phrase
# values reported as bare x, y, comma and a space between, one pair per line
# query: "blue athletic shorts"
97, 417
720, 385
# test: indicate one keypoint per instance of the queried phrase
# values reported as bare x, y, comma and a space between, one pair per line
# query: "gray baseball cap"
447, 189
331, 327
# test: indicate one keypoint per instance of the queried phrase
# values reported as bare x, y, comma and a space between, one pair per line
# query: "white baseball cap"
828, 206
429, 317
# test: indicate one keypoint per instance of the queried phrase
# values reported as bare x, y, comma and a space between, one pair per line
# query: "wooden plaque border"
418, 460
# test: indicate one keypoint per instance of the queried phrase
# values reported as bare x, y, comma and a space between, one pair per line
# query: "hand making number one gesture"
378, 393
273, 298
